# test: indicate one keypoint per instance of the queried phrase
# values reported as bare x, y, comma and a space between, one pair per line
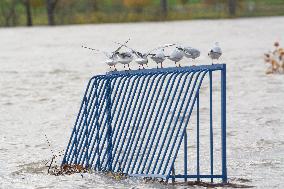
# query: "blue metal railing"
134, 122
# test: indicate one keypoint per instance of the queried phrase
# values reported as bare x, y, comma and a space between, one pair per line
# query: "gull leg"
157, 66
139, 67
124, 66
128, 67
115, 68
179, 65
161, 64
176, 64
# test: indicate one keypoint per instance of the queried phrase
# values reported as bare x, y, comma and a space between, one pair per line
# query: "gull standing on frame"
177, 55
112, 57
142, 58
159, 57
125, 58
190, 52
215, 52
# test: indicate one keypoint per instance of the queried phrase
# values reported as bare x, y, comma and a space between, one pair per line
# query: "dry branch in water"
67, 169
275, 59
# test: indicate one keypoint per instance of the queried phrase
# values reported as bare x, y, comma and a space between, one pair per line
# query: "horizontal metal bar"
174, 176
166, 70
148, 175
195, 176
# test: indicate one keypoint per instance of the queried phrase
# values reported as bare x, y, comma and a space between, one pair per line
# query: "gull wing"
90, 48
98, 51
121, 45
160, 47
133, 50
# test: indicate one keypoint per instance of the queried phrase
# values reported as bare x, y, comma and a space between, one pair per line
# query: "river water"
44, 71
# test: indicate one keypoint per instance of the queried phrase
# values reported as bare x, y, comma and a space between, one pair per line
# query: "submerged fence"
135, 122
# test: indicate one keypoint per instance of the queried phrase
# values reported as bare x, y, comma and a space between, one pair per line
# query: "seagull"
159, 57
215, 52
142, 58
125, 58
112, 57
177, 55
112, 62
190, 52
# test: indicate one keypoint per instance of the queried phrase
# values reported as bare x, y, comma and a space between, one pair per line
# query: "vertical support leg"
77, 151
76, 147
211, 128
86, 135
223, 123
97, 125
174, 174
197, 138
185, 156
109, 129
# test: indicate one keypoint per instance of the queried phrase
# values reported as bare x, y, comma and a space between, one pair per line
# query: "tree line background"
59, 12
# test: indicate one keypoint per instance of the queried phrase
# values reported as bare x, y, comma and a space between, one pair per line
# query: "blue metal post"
85, 113
97, 125
223, 123
211, 128
109, 131
197, 138
185, 156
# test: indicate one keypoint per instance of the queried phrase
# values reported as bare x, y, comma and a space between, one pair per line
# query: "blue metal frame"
135, 121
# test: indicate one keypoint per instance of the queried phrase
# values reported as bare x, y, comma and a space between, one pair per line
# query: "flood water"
44, 72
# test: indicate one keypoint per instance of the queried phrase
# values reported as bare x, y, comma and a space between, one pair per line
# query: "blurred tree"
50, 7
232, 5
94, 4
183, 2
164, 7
37, 3
214, 2
8, 12
138, 5
27, 4
66, 11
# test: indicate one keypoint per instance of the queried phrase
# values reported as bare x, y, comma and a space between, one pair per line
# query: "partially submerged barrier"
134, 122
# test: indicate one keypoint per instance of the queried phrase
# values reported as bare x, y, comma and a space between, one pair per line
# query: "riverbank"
81, 13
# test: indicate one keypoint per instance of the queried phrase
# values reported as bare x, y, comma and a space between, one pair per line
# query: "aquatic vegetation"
275, 59
67, 169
